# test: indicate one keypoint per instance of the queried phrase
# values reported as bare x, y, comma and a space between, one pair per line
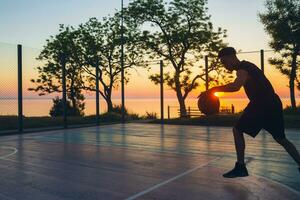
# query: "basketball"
208, 103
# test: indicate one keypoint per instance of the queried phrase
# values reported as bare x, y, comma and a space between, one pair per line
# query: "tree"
182, 33
281, 21
100, 42
61, 51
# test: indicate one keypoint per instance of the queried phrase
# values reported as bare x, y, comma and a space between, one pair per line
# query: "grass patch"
10, 123
213, 120
291, 121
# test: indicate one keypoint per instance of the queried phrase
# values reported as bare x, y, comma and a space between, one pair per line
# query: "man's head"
228, 58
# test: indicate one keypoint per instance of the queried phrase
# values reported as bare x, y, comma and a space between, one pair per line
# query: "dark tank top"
257, 87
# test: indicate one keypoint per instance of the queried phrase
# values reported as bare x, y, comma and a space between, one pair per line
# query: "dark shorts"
266, 115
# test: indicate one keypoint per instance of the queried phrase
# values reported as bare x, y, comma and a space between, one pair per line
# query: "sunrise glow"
219, 94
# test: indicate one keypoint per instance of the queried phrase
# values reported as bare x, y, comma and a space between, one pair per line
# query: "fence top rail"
196, 108
242, 52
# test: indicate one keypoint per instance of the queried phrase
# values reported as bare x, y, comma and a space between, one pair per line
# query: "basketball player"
264, 110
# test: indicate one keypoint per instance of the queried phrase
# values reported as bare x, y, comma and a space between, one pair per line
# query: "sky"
31, 22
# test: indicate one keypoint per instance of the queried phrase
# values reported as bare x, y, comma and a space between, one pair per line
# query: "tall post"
168, 112
162, 91
20, 94
122, 63
262, 60
97, 95
64, 88
206, 73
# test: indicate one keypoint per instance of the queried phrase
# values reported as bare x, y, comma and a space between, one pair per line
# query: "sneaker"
239, 170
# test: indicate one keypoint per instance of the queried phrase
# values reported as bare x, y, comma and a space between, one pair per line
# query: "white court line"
170, 180
12, 148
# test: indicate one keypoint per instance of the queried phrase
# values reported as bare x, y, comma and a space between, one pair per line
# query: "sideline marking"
11, 148
170, 180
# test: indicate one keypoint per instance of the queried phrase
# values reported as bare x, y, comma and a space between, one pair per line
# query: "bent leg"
290, 148
239, 142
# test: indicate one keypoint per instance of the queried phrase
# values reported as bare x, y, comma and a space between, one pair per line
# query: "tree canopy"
281, 20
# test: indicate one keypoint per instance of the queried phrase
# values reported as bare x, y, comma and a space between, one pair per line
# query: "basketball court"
143, 161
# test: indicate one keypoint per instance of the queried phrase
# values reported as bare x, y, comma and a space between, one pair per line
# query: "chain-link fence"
279, 81
8, 87
35, 95
144, 95
236, 102
26, 103
36, 107
29, 101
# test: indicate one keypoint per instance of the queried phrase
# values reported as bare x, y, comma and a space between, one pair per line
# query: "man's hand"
241, 79
211, 90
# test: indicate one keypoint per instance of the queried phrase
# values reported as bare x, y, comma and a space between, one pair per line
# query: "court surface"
143, 161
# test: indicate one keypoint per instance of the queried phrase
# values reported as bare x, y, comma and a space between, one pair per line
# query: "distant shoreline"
136, 98
41, 106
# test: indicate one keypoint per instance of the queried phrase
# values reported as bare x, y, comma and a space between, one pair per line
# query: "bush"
118, 109
109, 117
152, 115
57, 109
133, 116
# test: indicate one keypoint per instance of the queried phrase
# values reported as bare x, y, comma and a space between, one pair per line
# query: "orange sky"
139, 86
245, 32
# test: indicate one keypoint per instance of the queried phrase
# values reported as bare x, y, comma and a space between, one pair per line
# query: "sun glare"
219, 94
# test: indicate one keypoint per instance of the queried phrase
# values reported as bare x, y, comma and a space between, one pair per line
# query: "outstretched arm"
235, 85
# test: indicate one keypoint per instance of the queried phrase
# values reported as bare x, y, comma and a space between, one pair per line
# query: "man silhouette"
264, 110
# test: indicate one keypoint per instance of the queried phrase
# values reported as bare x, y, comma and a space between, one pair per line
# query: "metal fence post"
122, 65
64, 88
262, 60
20, 92
206, 73
97, 95
161, 92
